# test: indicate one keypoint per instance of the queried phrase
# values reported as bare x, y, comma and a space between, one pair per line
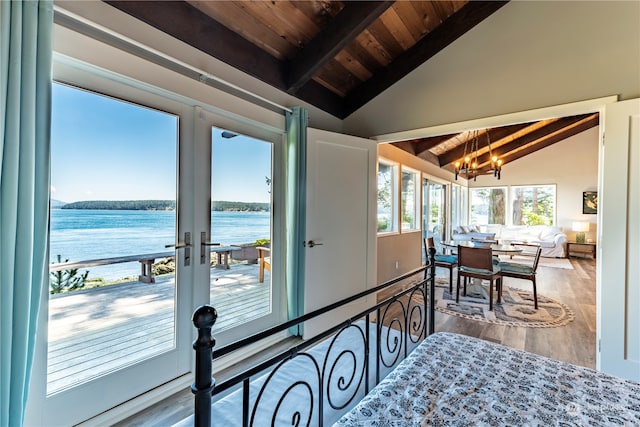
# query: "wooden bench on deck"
146, 262
224, 255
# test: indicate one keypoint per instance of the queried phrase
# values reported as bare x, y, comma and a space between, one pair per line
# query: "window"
488, 205
409, 202
387, 197
533, 205
458, 205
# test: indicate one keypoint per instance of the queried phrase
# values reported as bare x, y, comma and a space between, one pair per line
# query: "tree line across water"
163, 205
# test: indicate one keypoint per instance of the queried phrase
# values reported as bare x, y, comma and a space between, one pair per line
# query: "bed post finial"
203, 318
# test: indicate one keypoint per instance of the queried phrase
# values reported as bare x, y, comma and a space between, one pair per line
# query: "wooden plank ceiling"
508, 143
338, 55
335, 55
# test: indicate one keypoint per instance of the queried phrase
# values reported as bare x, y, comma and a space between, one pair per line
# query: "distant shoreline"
160, 205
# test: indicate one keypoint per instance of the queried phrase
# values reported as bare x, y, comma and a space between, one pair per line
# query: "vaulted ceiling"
335, 55
338, 55
508, 143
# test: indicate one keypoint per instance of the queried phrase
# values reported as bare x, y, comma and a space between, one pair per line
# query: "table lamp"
580, 227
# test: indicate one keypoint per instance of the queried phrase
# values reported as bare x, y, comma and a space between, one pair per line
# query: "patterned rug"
516, 308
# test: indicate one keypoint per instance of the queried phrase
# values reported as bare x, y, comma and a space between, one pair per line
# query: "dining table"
496, 248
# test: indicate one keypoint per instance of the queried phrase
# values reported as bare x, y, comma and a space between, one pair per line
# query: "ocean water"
83, 234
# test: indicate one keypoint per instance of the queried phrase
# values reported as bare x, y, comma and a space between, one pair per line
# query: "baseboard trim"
139, 403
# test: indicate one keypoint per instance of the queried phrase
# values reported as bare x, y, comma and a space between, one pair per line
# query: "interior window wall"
410, 201
533, 205
387, 196
488, 205
514, 205
458, 205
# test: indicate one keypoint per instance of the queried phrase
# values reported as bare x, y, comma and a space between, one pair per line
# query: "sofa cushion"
544, 243
549, 233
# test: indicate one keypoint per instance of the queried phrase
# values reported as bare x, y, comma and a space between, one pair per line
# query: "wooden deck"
94, 331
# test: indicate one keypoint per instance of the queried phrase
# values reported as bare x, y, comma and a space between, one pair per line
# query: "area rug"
563, 263
516, 308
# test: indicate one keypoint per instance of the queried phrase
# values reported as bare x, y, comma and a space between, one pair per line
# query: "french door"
111, 319
156, 206
434, 210
238, 189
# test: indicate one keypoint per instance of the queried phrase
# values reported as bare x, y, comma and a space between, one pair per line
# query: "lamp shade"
580, 226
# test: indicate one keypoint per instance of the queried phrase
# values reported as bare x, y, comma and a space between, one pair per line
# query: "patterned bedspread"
454, 380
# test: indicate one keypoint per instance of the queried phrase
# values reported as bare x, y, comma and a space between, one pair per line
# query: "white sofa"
551, 239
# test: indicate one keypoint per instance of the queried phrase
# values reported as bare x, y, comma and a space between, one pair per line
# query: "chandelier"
468, 167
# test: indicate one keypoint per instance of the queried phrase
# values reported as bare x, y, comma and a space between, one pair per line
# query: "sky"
107, 149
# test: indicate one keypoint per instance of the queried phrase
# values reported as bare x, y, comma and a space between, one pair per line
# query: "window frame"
511, 199
394, 197
416, 199
504, 188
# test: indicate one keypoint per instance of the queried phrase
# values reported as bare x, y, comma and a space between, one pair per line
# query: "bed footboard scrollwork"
320, 378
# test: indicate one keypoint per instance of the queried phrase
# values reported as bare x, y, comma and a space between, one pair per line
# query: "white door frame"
619, 250
62, 408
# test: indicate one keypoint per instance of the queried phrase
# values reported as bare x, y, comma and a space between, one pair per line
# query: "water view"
86, 234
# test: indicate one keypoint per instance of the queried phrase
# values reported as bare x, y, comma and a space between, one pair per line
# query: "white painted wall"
527, 55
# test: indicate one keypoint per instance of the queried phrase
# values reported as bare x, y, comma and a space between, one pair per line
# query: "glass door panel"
113, 295
458, 206
433, 211
241, 285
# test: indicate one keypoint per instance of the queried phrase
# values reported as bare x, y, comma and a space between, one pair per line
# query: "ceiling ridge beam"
467, 17
543, 137
192, 26
352, 20
495, 134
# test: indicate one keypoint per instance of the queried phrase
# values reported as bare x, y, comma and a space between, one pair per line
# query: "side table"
582, 248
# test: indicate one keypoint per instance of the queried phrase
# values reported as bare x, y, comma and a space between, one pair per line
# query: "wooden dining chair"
477, 263
521, 271
442, 260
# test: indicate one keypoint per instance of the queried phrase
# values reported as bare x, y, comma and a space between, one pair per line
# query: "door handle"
311, 244
186, 245
203, 246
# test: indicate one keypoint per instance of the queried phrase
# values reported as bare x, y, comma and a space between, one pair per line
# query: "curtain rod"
91, 29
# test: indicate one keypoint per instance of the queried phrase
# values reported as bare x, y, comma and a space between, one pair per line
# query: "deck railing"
146, 262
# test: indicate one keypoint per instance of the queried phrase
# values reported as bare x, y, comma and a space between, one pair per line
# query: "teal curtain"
25, 111
296, 158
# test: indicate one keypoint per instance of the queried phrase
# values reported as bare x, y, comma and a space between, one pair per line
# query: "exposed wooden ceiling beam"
574, 128
541, 138
409, 147
419, 146
495, 134
190, 25
354, 18
459, 23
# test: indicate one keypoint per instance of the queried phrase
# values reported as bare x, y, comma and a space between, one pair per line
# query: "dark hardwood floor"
574, 343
